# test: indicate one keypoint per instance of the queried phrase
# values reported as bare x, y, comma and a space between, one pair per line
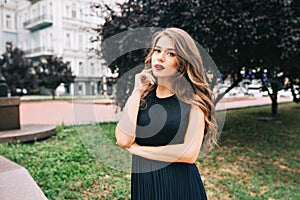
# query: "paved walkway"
92, 111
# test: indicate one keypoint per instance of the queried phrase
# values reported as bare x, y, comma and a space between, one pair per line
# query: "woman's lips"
159, 67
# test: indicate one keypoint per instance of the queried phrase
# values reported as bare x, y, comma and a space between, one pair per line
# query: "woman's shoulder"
196, 111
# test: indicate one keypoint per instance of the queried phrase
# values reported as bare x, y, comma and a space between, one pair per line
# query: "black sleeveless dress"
163, 122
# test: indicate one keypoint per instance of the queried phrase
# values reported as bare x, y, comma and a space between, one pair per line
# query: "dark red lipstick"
159, 67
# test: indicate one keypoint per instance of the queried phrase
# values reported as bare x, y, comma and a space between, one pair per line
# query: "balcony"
38, 23
39, 51
33, 1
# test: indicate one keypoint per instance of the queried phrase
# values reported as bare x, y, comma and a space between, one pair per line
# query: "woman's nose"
161, 56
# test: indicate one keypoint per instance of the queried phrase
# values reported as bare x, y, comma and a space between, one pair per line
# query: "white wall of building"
64, 36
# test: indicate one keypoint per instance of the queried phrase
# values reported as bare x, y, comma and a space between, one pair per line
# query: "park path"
92, 111
66, 112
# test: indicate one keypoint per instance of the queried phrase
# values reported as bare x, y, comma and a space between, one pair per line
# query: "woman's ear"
180, 70
181, 63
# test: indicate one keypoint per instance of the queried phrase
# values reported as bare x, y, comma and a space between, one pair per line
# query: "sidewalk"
86, 111
243, 102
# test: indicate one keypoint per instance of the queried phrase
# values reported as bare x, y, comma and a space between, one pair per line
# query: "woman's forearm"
168, 153
126, 127
125, 130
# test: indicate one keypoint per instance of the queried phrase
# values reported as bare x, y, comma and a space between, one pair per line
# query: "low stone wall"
16, 183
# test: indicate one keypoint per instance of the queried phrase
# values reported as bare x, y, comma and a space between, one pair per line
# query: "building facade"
57, 27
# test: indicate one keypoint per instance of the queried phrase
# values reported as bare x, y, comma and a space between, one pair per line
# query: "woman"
167, 119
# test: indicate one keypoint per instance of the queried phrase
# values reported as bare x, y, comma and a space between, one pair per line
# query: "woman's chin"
162, 74
157, 74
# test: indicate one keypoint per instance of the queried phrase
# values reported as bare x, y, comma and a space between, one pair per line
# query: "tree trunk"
295, 98
53, 94
220, 96
274, 103
274, 108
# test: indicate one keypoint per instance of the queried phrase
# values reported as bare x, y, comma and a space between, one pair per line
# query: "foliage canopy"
237, 34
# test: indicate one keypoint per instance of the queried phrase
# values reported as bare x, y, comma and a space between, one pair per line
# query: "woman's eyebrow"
167, 48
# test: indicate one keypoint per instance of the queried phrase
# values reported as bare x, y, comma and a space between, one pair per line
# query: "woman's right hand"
143, 79
125, 130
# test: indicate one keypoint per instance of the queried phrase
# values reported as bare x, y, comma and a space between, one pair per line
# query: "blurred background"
55, 48
60, 49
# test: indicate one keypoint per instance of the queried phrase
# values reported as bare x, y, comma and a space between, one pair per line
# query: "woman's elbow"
189, 157
123, 140
123, 144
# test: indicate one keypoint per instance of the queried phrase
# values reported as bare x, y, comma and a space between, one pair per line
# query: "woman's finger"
147, 70
148, 74
148, 77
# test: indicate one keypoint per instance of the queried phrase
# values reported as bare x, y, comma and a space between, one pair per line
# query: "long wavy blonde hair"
190, 85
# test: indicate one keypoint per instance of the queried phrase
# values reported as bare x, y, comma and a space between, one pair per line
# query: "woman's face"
164, 58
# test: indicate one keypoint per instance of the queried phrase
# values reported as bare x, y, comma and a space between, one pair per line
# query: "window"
50, 38
81, 69
93, 71
80, 14
80, 89
44, 10
20, 22
33, 43
42, 41
67, 11
80, 42
25, 45
68, 41
25, 16
51, 41
34, 13
74, 10
8, 22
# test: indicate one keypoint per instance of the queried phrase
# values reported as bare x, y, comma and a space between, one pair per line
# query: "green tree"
52, 71
277, 44
16, 69
238, 35
290, 45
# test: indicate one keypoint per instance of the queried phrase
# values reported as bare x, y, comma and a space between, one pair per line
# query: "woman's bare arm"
125, 130
187, 152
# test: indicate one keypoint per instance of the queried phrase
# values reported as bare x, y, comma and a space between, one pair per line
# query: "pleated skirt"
155, 180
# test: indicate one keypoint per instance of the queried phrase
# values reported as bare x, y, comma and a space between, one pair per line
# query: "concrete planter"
9, 113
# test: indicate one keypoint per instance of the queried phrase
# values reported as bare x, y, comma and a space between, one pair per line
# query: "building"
56, 27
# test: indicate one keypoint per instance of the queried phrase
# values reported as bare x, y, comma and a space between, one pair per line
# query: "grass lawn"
256, 160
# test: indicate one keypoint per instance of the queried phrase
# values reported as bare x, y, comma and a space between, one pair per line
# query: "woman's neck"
163, 91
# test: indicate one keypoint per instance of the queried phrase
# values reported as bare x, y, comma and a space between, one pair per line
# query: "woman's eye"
172, 54
157, 50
